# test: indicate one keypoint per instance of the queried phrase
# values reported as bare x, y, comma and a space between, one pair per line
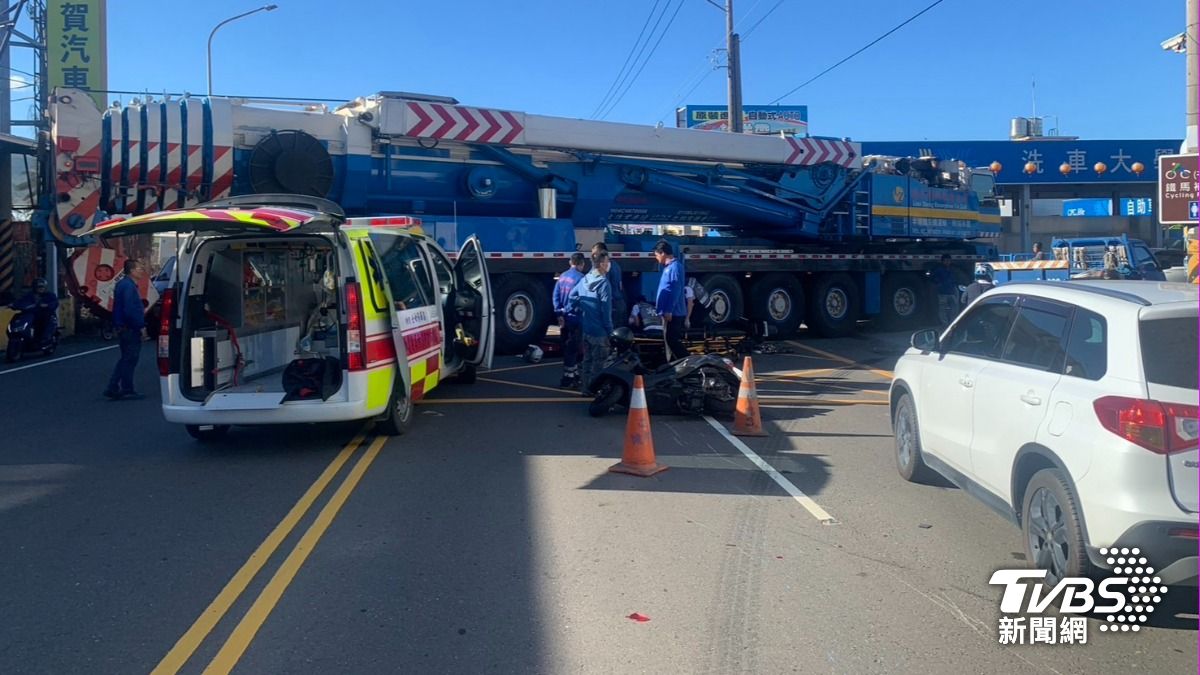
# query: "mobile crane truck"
808, 231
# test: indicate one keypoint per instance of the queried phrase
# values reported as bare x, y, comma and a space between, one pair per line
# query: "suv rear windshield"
1169, 351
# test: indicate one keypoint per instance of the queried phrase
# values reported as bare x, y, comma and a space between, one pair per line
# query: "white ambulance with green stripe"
282, 311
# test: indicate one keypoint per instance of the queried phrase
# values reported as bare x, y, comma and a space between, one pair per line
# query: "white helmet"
533, 354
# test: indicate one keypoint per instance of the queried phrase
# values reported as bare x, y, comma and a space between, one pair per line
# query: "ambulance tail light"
354, 328
166, 318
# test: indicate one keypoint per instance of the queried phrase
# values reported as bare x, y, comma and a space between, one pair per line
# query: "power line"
613, 87
861, 50
649, 56
764, 18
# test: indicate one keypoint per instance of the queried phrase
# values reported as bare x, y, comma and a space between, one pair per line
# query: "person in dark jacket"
43, 303
947, 292
670, 300
620, 308
592, 297
129, 318
570, 330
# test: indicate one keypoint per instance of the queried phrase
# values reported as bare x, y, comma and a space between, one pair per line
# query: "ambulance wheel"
467, 375
207, 433
523, 312
399, 414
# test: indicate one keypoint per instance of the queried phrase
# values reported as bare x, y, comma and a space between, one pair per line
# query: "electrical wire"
613, 87
856, 53
649, 56
764, 18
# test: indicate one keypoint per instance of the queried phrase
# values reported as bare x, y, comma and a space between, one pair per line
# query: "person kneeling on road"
593, 299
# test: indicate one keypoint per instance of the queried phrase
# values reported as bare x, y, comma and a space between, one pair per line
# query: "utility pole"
1192, 53
733, 43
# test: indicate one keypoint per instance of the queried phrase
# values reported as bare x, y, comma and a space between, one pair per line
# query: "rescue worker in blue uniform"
615, 285
670, 301
593, 299
129, 318
570, 328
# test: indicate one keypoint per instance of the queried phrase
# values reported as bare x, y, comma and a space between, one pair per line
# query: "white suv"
1070, 408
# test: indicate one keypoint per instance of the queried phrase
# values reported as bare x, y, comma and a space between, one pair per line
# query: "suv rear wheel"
1053, 527
908, 443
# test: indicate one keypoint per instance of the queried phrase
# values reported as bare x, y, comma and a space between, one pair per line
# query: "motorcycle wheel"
722, 406
609, 395
107, 332
14, 351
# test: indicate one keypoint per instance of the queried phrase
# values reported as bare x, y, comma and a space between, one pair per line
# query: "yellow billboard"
77, 46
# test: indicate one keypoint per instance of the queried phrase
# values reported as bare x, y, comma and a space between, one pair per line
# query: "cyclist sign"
1178, 185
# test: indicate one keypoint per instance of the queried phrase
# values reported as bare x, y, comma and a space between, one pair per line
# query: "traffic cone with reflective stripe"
746, 420
638, 456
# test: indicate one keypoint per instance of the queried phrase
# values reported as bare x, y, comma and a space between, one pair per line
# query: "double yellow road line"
235, 646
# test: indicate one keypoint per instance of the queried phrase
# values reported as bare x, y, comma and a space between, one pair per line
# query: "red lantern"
1100, 168
1138, 168
1064, 168
995, 167
1030, 167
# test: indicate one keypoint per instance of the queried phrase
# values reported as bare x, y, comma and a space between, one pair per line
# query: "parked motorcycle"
21, 338
694, 385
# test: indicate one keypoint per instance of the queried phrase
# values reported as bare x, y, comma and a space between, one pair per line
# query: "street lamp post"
264, 8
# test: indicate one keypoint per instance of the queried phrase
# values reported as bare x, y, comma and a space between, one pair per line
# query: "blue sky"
958, 72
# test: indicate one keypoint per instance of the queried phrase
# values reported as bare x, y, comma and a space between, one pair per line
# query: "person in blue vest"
615, 286
592, 298
570, 328
129, 318
671, 301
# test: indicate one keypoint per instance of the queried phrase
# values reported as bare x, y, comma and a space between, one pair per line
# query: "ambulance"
281, 310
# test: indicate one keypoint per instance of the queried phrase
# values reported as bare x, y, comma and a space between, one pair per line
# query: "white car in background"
1070, 408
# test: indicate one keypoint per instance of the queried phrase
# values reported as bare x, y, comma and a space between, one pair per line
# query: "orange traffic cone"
638, 456
746, 420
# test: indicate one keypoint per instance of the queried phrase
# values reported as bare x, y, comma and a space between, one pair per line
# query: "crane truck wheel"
725, 302
835, 305
778, 300
523, 312
904, 301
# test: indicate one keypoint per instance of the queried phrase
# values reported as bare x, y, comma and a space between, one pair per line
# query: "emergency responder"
591, 299
670, 300
129, 317
615, 284
570, 329
982, 284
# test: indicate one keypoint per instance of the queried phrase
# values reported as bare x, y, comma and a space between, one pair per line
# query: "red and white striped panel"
77, 160
222, 145
813, 150
171, 196
462, 123
112, 121
195, 151
149, 186
97, 269
133, 142
1032, 265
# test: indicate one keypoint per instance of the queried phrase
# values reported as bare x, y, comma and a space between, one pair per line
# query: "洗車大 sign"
1178, 186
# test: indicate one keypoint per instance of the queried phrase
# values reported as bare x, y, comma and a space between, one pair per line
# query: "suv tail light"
1159, 427
354, 328
165, 319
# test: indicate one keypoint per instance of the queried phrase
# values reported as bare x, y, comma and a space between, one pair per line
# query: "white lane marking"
61, 358
804, 500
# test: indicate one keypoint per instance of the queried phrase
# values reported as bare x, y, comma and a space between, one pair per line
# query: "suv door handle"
966, 381
1031, 399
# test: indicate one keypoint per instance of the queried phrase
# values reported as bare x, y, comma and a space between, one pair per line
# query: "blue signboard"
1087, 208
1047, 156
1138, 206
756, 119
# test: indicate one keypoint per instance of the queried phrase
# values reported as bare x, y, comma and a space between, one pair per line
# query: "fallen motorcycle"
694, 385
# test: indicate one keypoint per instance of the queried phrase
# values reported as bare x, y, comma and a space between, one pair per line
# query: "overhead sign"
1087, 208
1046, 157
1178, 185
756, 119
77, 46
1137, 206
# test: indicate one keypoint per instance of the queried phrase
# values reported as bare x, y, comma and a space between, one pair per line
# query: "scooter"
20, 333
694, 385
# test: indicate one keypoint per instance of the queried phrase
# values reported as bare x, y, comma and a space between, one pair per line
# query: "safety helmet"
533, 354
622, 337
983, 271
40, 285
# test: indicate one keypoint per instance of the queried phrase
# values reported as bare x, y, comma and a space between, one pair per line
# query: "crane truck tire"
835, 305
523, 312
777, 299
904, 300
726, 304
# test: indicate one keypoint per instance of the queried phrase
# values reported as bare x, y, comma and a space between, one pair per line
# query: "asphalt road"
491, 538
